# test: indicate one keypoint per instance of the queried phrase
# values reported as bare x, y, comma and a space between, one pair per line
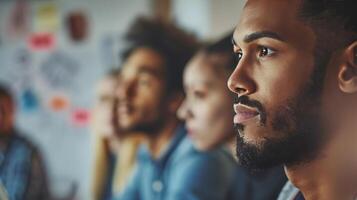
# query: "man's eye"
265, 51
238, 56
144, 81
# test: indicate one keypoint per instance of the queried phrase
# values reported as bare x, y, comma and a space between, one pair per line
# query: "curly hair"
174, 45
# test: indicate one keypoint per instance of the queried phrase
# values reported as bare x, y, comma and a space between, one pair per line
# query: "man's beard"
299, 123
302, 138
151, 128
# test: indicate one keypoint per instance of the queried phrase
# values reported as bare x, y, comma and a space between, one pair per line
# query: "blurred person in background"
169, 167
115, 151
207, 110
22, 172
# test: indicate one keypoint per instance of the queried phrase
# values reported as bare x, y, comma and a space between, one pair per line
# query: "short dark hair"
335, 26
174, 45
333, 21
341, 11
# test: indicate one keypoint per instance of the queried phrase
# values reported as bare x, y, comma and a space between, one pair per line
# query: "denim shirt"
22, 173
181, 173
15, 167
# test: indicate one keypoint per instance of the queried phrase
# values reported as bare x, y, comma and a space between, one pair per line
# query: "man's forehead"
276, 18
269, 3
142, 68
143, 60
270, 10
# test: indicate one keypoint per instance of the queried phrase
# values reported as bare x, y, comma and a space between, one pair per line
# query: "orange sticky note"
59, 103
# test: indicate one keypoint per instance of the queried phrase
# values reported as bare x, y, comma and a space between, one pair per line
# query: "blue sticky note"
29, 101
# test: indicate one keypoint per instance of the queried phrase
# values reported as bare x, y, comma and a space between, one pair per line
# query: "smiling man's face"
275, 79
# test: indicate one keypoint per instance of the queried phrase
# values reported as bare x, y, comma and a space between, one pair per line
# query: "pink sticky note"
80, 117
41, 41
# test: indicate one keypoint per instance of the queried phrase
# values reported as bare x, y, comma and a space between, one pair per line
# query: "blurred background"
52, 54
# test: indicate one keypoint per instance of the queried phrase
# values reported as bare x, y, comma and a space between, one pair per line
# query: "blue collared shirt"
15, 167
22, 174
181, 173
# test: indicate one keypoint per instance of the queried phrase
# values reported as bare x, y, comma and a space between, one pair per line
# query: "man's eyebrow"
257, 35
262, 34
148, 70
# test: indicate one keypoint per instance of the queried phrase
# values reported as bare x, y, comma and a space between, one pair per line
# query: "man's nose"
241, 80
125, 91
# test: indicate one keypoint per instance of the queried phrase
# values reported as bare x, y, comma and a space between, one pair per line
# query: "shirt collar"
144, 153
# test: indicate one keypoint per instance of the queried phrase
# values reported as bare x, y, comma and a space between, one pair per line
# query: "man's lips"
243, 113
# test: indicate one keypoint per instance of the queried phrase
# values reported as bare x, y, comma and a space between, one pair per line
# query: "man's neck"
160, 142
329, 177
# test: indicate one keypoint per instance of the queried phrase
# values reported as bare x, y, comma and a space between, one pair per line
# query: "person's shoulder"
198, 171
186, 151
191, 162
22, 142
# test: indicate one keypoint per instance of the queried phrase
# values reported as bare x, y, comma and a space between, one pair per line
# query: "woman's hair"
222, 50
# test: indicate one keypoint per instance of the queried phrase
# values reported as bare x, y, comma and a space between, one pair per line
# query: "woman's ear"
347, 75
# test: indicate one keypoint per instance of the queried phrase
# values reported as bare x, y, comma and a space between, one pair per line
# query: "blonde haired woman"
115, 152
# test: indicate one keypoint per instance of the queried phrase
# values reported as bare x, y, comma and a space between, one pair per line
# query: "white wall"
66, 147
209, 19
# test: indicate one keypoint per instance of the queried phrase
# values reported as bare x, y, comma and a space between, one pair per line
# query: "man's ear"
347, 75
